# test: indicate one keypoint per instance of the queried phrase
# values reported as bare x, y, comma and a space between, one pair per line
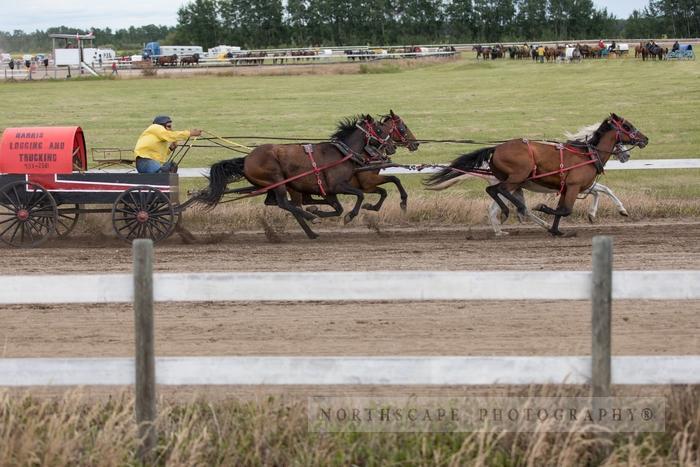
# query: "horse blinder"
623, 127
399, 128
373, 133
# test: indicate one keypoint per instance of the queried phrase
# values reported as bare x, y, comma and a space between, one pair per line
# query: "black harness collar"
595, 155
373, 155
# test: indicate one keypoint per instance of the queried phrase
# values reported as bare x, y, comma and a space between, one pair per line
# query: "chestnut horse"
321, 169
567, 168
369, 180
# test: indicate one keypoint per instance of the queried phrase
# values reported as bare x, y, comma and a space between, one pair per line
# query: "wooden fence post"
145, 382
601, 316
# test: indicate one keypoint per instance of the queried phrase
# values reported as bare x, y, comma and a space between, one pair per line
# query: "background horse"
320, 169
167, 60
568, 168
192, 60
369, 180
656, 51
483, 52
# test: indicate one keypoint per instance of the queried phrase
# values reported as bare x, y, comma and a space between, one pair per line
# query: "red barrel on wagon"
45, 187
43, 150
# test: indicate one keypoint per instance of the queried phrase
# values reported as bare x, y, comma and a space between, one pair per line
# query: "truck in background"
153, 50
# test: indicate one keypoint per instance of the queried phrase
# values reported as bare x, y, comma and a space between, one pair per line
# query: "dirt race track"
428, 328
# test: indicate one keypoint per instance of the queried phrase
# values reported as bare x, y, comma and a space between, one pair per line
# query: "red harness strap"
309, 150
562, 170
267, 188
532, 157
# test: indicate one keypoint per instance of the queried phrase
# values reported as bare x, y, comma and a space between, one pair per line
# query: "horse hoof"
591, 218
403, 206
315, 220
624, 213
348, 218
312, 209
559, 233
541, 207
502, 233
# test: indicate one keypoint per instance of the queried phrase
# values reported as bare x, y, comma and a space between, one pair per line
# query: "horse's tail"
439, 186
464, 163
220, 175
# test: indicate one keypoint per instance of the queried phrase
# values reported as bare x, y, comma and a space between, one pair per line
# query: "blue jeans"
145, 165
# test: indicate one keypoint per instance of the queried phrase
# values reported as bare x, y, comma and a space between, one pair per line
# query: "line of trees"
131, 39
258, 23
301, 23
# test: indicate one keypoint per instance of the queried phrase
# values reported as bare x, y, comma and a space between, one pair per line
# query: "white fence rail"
510, 370
359, 286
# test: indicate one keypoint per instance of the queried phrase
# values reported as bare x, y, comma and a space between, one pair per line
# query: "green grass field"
458, 99
454, 99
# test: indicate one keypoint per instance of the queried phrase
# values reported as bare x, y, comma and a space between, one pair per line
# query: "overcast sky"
30, 15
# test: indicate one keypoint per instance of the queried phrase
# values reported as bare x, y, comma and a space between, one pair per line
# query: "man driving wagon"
156, 143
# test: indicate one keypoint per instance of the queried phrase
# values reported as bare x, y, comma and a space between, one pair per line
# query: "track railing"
600, 286
143, 288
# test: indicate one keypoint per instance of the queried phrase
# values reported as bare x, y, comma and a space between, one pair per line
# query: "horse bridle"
371, 135
395, 131
633, 134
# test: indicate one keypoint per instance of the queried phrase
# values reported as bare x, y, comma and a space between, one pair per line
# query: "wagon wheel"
143, 212
67, 219
27, 214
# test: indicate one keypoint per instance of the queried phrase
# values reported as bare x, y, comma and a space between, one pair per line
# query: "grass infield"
439, 99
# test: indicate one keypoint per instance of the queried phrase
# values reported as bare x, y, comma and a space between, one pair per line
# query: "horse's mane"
589, 134
347, 127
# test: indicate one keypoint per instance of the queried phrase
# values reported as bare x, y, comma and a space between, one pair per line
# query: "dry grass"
74, 430
299, 69
446, 208
425, 209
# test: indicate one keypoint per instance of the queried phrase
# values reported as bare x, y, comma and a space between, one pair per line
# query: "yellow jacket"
155, 140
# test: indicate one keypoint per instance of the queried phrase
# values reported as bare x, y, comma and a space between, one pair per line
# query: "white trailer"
181, 50
93, 55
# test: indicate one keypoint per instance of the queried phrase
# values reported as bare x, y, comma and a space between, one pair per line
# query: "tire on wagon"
28, 214
143, 212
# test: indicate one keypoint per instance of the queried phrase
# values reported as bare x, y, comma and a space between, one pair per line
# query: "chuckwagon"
684, 52
45, 187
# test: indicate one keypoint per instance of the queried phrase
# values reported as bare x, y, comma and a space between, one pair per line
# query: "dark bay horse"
656, 51
324, 169
369, 180
167, 60
190, 60
484, 52
568, 168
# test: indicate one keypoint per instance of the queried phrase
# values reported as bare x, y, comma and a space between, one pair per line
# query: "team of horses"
525, 52
172, 60
556, 52
292, 176
650, 50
